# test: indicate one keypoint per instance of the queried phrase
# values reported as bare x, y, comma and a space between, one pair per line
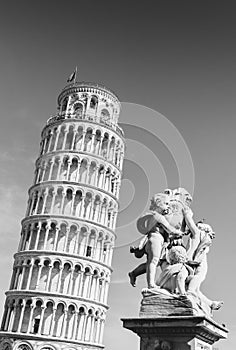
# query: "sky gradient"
175, 57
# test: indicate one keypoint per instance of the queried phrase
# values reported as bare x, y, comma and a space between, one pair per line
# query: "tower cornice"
88, 87
47, 254
58, 119
65, 217
60, 297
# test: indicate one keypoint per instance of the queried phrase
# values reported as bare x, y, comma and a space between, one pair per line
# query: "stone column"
57, 137
71, 281
68, 169
38, 234
64, 141
63, 333
59, 279
62, 202
41, 319
77, 171
37, 203
30, 275
24, 265
81, 205
87, 172
100, 145
54, 193
31, 237
46, 235
105, 296
7, 319
80, 284
89, 285
32, 196
52, 322
102, 291
50, 164
72, 203
82, 142
21, 316
39, 275
75, 326
60, 163
12, 318
49, 277
84, 325
66, 238
97, 331
30, 319
96, 291
15, 281
25, 231
56, 237
50, 141
91, 335
102, 330
93, 142
73, 139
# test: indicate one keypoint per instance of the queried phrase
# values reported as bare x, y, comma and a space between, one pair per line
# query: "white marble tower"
58, 292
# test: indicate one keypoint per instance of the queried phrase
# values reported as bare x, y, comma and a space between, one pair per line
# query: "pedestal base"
176, 332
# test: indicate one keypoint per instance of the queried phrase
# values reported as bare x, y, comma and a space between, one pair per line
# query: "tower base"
176, 332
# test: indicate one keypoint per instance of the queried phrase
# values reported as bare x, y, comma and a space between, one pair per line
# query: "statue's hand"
177, 234
187, 212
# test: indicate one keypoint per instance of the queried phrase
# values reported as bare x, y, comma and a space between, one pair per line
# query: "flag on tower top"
72, 77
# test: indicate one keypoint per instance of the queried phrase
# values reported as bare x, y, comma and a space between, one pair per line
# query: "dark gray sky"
176, 57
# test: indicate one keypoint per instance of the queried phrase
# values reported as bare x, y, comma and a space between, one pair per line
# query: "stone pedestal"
176, 332
167, 322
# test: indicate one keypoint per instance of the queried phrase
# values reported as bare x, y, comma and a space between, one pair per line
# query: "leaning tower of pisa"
58, 292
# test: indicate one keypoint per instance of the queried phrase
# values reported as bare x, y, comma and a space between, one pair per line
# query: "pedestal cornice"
177, 327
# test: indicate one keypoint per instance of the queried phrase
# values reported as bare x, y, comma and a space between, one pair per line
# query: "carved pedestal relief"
150, 343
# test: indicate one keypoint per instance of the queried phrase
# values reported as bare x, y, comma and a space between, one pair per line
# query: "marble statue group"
175, 243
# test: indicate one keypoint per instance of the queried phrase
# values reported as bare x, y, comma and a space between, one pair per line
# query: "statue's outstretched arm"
195, 232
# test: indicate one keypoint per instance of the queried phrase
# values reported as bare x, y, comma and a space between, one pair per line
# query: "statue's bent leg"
153, 249
139, 270
180, 280
198, 277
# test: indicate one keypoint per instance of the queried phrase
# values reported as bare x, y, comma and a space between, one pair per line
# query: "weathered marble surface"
183, 263
162, 303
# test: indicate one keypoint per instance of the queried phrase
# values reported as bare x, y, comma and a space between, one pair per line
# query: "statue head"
177, 254
182, 195
160, 202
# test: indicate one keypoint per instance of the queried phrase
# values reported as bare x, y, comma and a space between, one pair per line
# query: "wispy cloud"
6, 157
120, 281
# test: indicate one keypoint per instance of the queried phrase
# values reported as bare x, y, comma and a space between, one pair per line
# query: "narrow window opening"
36, 325
89, 251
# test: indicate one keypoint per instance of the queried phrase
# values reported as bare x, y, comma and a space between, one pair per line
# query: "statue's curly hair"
156, 200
